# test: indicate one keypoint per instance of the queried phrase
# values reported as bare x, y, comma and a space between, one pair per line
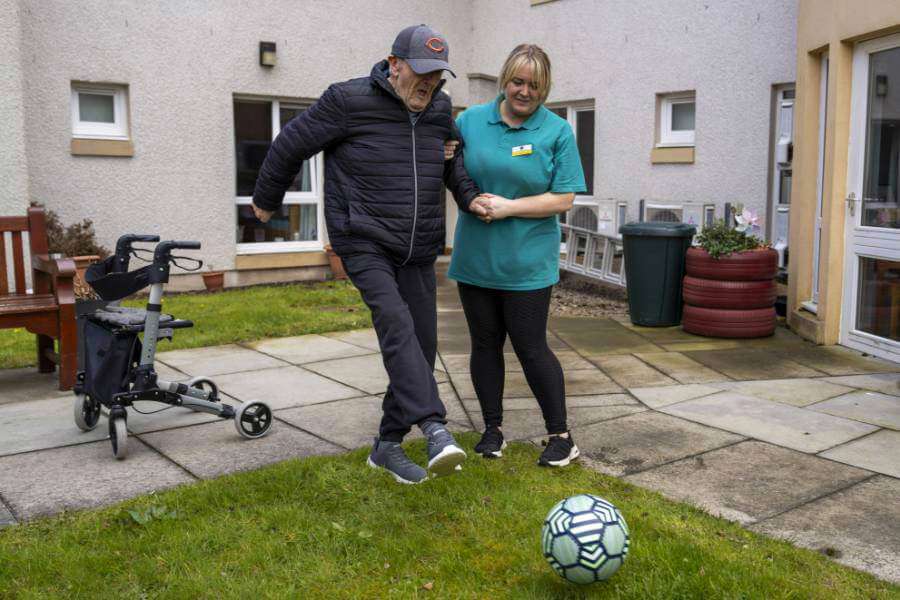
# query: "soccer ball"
585, 539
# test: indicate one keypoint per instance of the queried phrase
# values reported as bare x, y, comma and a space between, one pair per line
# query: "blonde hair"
540, 63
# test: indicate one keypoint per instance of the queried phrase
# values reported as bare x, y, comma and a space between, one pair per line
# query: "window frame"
572, 110
313, 197
675, 139
89, 130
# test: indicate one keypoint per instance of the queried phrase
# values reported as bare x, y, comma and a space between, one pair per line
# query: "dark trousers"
492, 315
404, 312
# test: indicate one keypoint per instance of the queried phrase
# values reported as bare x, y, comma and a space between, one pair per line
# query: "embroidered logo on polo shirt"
521, 150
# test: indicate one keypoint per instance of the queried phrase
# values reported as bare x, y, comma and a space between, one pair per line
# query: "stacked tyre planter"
732, 296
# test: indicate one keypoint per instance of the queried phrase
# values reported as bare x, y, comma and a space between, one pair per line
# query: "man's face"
415, 90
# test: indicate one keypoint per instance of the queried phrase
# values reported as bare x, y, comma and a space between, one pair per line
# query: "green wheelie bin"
654, 269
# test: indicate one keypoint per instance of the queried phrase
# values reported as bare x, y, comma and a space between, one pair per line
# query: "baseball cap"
423, 48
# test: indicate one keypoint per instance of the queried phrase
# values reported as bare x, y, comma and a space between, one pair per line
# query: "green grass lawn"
238, 315
330, 527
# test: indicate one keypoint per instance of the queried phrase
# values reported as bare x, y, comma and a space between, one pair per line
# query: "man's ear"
393, 62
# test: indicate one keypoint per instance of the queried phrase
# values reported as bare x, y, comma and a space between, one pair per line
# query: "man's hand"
450, 147
262, 214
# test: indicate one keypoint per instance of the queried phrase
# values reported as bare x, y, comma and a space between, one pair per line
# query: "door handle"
851, 202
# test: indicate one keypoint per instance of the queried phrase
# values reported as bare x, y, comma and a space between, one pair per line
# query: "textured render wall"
622, 53
13, 170
183, 61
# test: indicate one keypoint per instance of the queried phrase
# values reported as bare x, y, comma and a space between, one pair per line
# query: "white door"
871, 305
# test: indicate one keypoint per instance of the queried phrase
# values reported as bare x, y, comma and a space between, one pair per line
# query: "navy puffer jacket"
382, 173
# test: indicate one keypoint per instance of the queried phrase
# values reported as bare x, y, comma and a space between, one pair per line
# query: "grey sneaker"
444, 454
391, 457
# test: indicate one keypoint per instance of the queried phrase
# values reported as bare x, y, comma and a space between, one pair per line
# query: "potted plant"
337, 265
729, 288
214, 280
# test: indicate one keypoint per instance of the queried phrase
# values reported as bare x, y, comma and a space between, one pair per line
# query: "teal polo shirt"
539, 156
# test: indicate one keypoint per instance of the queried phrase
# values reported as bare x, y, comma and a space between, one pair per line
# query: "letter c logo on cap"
434, 44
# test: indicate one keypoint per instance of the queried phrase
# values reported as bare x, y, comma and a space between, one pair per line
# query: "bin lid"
676, 230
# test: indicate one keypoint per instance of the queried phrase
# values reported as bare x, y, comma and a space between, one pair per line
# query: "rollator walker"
119, 368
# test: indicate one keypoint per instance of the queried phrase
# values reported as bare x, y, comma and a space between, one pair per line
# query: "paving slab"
217, 360
571, 402
41, 424
628, 371
453, 405
655, 397
84, 476
661, 335
780, 424
641, 441
6, 517
710, 344
350, 423
176, 416
680, 367
364, 373
886, 383
577, 383
284, 387
836, 360
796, 392
879, 452
215, 449
869, 407
568, 360
308, 348
599, 337
21, 385
529, 424
751, 363
749, 481
861, 525
365, 338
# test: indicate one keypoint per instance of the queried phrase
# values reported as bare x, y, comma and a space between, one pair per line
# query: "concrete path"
789, 439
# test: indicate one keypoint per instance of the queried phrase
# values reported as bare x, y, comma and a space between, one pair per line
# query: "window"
297, 226
709, 215
99, 111
676, 119
581, 118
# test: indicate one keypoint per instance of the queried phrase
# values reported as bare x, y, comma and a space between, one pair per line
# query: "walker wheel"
207, 385
118, 436
87, 412
253, 420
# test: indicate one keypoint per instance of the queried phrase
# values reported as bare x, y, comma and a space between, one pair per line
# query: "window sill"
281, 260
89, 147
672, 155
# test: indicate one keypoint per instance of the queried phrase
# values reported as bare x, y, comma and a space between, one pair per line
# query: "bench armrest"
58, 267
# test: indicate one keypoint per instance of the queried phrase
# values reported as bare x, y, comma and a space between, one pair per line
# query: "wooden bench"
49, 310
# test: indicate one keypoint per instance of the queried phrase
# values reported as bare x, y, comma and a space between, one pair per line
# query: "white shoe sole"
573, 454
446, 462
394, 475
496, 453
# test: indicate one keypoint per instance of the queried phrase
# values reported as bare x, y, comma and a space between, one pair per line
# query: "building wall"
183, 62
13, 159
622, 53
832, 25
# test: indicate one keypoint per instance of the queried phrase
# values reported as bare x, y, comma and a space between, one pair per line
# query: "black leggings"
491, 315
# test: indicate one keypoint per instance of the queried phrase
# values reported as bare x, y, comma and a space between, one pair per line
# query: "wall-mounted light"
267, 56
881, 85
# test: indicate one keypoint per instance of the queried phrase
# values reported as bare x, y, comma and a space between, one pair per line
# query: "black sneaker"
559, 452
491, 444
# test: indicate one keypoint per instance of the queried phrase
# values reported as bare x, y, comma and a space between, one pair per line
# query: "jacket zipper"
412, 235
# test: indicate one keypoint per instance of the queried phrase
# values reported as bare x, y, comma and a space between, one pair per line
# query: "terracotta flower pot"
337, 265
214, 281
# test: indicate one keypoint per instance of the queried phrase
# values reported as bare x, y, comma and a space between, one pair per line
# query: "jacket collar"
379, 76
536, 119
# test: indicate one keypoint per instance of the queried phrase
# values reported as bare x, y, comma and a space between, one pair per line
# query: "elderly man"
383, 137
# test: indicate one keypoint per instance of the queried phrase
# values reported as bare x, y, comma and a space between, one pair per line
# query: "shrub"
78, 239
719, 239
